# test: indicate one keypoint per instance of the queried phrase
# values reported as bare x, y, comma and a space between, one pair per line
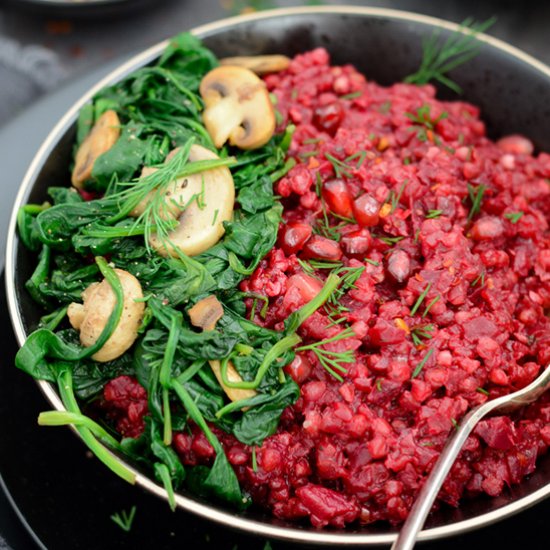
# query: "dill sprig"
476, 197
480, 279
424, 123
332, 361
420, 299
125, 519
318, 264
439, 58
323, 226
421, 333
348, 278
429, 306
256, 298
395, 198
157, 218
343, 167
514, 217
390, 241
433, 214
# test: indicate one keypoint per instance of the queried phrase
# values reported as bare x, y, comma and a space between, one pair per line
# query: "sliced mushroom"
235, 394
259, 64
200, 202
238, 108
101, 138
92, 315
205, 314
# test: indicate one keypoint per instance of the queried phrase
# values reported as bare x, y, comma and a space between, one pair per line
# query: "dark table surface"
47, 60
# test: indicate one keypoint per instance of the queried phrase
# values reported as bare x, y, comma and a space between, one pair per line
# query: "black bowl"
510, 87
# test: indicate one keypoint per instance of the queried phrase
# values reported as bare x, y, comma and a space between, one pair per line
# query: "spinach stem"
196, 415
112, 278
65, 418
288, 342
165, 375
65, 383
298, 317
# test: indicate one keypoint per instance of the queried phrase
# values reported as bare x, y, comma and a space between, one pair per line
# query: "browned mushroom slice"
259, 64
238, 108
101, 138
205, 314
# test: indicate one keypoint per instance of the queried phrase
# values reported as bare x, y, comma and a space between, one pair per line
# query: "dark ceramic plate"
510, 87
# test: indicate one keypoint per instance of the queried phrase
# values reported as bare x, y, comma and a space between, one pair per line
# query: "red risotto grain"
450, 310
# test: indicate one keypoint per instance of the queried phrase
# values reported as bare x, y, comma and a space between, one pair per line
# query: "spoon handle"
423, 504
430, 489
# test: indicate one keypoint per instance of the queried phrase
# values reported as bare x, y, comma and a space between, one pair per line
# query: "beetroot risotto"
438, 239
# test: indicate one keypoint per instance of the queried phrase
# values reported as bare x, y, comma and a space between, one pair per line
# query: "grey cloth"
26, 72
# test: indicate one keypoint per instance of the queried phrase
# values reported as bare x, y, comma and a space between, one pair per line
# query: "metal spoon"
423, 504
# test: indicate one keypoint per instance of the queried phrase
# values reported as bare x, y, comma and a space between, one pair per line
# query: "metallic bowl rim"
188, 504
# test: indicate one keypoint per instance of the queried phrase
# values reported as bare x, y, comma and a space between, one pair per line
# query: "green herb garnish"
475, 193
429, 306
420, 299
125, 519
333, 362
420, 365
439, 58
514, 217
424, 124
421, 333
433, 214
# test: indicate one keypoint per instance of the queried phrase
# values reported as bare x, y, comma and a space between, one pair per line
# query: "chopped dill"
420, 299
308, 154
514, 217
429, 306
420, 365
421, 333
433, 214
360, 156
318, 264
318, 185
256, 298
254, 460
476, 196
341, 169
332, 361
216, 212
306, 266
424, 123
480, 279
352, 95
125, 519
390, 241
395, 199
309, 141
385, 107
372, 262
482, 390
